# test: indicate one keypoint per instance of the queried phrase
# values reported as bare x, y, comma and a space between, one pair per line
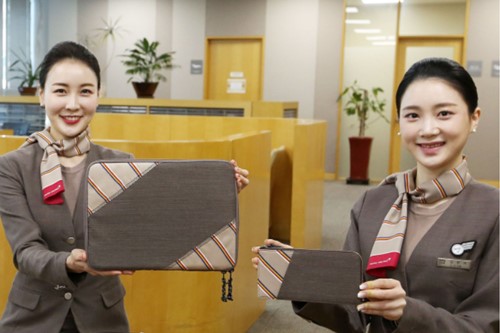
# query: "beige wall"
328, 62
431, 19
188, 41
235, 18
302, 57
483, 45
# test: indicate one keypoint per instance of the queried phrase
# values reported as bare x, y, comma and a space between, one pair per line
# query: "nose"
429, 127
72, 103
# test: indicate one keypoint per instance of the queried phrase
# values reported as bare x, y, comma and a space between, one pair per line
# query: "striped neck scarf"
50, 168
387, 247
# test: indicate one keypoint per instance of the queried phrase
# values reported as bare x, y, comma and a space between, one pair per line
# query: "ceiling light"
384, 43
367, 31
350, 21
351, 10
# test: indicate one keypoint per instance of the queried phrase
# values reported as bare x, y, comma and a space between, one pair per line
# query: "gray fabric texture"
163, 215
323, 277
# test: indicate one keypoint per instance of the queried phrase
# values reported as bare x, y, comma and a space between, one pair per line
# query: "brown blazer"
41, 237
439, 299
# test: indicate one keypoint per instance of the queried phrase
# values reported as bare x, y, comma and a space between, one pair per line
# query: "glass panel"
414, 54
432, 18
17, 41
369, 57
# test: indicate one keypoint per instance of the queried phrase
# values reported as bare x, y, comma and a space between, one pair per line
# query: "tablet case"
161, 215
316, 276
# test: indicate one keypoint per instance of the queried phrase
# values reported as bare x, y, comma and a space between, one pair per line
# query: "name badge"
454, 263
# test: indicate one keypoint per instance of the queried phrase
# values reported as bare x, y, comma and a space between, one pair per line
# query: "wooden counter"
189, 302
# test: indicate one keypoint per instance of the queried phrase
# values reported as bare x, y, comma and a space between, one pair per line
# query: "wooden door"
234, 68
409, 51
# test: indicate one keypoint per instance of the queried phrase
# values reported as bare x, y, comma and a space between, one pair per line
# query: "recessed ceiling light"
384, 43
351, 21
351, 10
367, 31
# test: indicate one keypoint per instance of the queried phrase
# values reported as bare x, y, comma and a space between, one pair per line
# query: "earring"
399, 133
474, 130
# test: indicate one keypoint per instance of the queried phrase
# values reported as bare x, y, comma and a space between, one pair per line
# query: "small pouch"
162, 215
316, 276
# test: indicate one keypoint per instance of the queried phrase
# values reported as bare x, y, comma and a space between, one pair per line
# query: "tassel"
230, 287
227, 287
224, 297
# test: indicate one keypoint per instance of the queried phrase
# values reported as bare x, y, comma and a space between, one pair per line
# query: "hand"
386, 298
267, 242
77, 263
241, 176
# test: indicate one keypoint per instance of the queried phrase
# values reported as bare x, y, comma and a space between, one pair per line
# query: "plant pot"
27, 91
145, 89
359, 149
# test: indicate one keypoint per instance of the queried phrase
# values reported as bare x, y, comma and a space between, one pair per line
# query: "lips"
71, 120
431, 145
431, 148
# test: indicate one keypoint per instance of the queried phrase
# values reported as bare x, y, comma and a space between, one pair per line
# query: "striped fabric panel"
217, 253
271, 271
106, 181
50, 167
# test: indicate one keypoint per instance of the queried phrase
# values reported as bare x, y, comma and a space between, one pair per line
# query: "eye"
445, 114
87, 91
411, 116
59, 91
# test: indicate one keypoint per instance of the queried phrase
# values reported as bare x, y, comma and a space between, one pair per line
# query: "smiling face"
70, 97
435, 124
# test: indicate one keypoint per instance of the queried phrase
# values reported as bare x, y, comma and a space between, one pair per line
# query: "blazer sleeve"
477, 313
340, 318
31, 253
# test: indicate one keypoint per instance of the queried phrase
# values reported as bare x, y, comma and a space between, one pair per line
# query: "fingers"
273, 242
381, 289
77, 262
267, 242
385, 297
255, 262
388, 310
241, 176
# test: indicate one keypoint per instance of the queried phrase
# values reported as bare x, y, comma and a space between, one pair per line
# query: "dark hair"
69, 50
445, 69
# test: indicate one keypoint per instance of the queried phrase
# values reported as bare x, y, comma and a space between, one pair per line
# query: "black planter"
145, 89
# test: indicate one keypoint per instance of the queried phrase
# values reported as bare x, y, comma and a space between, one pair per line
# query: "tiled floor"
338, 200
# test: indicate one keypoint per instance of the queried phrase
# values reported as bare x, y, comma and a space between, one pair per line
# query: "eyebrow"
437, 106
67, 85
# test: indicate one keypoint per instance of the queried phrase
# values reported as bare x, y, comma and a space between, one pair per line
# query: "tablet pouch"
317, 276
162, 215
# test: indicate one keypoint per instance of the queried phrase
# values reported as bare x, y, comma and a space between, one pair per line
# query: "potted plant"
360, 102
25, 72
144, 62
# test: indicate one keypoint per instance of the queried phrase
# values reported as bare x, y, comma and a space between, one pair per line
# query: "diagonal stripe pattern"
386, 249
217, 253
110, 180
271, 271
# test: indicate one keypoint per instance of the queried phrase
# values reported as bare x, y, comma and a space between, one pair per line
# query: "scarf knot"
50, 167
387, 247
